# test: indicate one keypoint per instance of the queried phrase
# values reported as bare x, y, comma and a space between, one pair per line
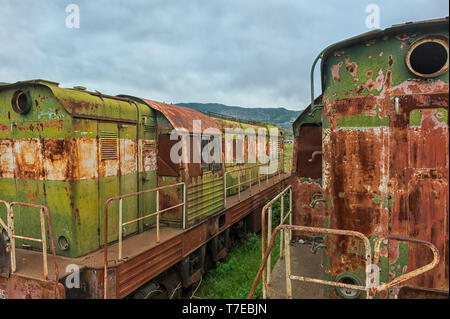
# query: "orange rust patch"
335, 71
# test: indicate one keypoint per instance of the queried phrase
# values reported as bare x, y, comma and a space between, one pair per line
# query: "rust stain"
352, 68
181, 117
335, 71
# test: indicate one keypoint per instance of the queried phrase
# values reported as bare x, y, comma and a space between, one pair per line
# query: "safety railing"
157, 213
268, 208
371, 286
10, 228
411, 274
252, 179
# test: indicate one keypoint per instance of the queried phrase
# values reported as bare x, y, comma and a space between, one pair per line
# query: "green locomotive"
381, 166
70, 150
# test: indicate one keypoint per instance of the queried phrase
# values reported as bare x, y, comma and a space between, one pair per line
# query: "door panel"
419, 183
108, 184
149, 180
128, 157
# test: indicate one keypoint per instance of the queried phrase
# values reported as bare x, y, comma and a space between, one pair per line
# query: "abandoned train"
371, 155
79, 169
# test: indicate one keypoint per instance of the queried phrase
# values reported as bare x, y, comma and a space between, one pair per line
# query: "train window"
428, 57
309, 156
164, 163
20, 102
213, 166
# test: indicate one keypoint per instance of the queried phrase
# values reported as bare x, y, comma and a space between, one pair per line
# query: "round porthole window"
21, 103
348, 293
428, 57
63, 243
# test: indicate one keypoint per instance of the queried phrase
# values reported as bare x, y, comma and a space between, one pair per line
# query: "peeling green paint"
387, 201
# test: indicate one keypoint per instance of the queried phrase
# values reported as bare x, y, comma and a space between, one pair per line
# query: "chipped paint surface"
62, 154
385, 163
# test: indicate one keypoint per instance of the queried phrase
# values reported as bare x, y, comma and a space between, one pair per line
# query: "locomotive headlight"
21, 102
428, 57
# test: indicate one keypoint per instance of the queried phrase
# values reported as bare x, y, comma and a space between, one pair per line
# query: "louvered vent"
108, 145
149, 146
149, 128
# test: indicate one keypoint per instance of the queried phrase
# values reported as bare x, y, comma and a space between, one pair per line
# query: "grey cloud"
249, 53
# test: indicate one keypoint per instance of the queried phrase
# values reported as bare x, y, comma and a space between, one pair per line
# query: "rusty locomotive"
371, 155
88, 187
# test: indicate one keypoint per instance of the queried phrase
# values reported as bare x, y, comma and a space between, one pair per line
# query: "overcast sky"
251, 53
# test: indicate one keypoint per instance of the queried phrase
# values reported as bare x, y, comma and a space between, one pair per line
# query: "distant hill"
279, 116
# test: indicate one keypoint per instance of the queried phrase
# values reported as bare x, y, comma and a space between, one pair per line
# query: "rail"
251, 180
44, 212
158, 212
283, 217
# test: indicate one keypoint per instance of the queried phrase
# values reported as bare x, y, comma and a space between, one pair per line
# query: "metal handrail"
251, 179
290, 277
370, 287
268, 206
157, 213
411, 274
44, 211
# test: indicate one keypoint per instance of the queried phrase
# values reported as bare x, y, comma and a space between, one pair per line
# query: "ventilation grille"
149, 146
108, 145
149, 128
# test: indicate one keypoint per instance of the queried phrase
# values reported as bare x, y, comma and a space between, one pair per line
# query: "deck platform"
303, 263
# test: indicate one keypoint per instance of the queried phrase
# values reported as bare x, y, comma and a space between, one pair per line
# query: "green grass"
233, 278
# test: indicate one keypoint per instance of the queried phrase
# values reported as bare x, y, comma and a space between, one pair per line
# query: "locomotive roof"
179, 117
396, 28
182, 117
306, 117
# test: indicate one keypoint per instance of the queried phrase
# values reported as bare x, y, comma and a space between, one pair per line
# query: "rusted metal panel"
181, 117
194, 238
407, 292
133, 274
385, 169
53, 155
309, 157
16, 287
420, 175
164, 163
303, 190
